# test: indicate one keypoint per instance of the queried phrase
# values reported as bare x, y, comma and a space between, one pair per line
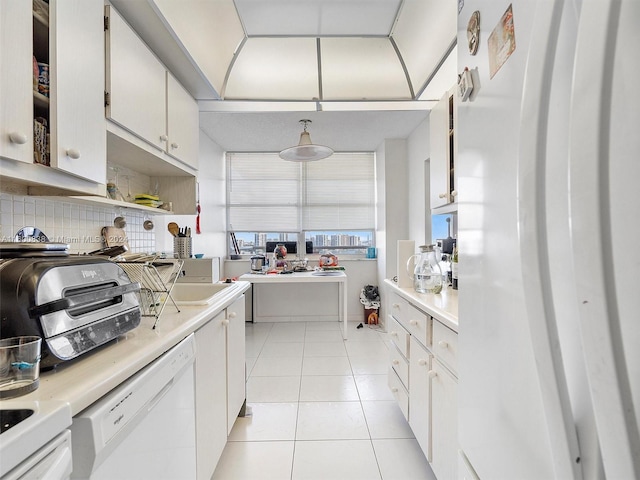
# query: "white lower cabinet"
211, 397
444, 400
420, 396
220, 383
235, 348
427, 391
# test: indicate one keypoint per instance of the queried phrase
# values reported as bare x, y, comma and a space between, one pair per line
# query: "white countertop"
442, 306
73, 386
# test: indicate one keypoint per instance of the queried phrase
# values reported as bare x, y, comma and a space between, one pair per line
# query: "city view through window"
350, 243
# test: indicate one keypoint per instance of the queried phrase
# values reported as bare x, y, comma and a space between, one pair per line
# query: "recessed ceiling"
284, 60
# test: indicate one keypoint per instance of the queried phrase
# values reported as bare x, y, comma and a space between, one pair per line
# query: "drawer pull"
163, 138
422, 362
73, 153
233, 314
443, 344
396, 305
393, 334
18, 138
394, 390
175, 146
432, 374
395, 362
225, 322
413, 322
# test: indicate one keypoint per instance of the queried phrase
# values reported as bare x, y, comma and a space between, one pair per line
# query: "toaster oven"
74, 303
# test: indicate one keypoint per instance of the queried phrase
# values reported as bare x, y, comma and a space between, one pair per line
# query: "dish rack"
156, 277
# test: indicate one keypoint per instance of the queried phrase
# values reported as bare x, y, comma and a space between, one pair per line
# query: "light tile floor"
320, 409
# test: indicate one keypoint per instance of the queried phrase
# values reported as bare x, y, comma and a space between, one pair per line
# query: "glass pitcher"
427, 274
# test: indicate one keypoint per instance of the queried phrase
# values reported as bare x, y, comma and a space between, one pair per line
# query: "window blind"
266, 193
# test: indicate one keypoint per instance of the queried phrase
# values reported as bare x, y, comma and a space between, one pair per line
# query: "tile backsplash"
78, 225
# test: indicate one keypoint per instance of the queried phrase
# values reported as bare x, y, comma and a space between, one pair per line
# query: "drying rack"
156, 277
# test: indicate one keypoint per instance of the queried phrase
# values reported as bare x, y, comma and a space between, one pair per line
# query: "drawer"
419, 325
399, 392
399, 336
401, 366
445, 346
399, 308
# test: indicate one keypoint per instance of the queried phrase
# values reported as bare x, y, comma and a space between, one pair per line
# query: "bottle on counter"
454, 268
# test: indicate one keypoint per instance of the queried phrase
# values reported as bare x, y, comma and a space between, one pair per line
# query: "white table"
337, 276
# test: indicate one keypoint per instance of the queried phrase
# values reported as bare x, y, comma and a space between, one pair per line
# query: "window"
331, 200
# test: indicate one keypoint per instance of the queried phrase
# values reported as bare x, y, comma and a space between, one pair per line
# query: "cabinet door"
16, 81
211, 398
444, 398
236, 376
439, 158
136, 83
76, 42
183, 124
420, 396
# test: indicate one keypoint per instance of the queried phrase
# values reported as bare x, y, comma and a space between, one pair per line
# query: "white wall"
418, 182
212, 241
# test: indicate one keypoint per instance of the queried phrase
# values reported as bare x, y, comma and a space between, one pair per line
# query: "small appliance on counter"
74, 303
200, 270
257, 262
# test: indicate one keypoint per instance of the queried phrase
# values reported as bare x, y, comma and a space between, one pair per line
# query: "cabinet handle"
73, 153
394, 390
225, 322
163, 138
393, 334
175, 146
396, 305
454, 193
442, 195
432, 374
18, 138
232, 315
395, 362
443, 344
422, 362
413, 322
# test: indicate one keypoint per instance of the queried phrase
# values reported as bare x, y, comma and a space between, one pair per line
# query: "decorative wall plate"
473, 32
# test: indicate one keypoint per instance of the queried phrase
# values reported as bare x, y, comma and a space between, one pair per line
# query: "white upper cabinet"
182, 123
135, 83
145, 99
65, 36
442, 174
16, 81
76, 42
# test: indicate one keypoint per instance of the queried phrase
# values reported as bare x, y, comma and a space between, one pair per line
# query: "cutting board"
113, 237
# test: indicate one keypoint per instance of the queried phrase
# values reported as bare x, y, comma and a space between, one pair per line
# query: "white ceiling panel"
362, 69
275, 69
209, 30
423, 34
317, 17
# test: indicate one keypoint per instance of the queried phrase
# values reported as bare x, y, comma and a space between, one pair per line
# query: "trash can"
370, 298
370, 316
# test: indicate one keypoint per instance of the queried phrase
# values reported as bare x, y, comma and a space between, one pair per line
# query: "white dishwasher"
145, 427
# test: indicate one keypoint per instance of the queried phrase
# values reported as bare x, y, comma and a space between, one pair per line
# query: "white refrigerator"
548, 180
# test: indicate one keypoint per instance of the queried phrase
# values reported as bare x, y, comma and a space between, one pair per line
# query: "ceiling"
361, 70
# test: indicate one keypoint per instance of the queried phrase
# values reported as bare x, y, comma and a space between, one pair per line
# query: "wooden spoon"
173, 228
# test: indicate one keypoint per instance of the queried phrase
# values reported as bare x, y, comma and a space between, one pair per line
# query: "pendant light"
305, 151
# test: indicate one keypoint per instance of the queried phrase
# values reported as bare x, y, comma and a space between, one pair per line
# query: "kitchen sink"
11, 417
197, 293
